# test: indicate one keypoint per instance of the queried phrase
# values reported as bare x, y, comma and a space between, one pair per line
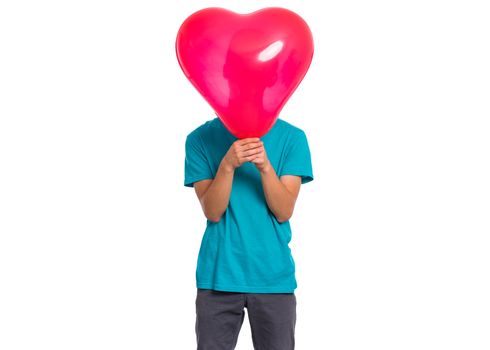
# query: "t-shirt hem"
305, 178
189, 182
246, 289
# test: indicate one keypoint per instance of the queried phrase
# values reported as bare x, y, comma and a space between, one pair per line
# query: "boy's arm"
214, 194
280, 193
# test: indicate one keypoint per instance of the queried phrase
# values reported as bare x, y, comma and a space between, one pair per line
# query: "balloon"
246, 66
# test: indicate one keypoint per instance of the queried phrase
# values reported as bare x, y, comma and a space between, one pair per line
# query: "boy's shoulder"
202, 128
287, 124
289, 127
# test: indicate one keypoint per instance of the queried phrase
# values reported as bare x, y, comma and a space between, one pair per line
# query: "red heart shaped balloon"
246, 66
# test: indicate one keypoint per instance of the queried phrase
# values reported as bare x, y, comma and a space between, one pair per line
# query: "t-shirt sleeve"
196, 164
298, 159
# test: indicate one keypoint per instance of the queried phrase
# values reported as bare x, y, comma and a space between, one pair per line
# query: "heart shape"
246, 66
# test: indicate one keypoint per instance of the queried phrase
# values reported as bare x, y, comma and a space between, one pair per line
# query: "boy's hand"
241, 151
261, 161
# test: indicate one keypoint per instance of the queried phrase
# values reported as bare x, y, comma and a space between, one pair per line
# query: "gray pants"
219, 317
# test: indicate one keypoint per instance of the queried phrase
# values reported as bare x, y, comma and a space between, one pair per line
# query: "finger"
248, 140
258, 156
247, 149
252, 158
251, 152
248, 158
250, 146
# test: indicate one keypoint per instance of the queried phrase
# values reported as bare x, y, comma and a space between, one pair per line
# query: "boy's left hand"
261, 161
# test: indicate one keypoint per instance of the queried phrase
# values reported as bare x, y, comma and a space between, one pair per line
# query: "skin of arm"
214, 194
280, 193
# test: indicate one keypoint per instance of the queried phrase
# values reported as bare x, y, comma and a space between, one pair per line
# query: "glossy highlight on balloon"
246, 66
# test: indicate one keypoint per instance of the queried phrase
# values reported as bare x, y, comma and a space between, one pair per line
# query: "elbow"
283, 218
213, 217
211, 213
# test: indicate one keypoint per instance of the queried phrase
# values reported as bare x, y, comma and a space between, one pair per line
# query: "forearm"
279, 199
215, 201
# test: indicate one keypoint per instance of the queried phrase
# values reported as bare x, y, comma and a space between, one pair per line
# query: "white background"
99, 237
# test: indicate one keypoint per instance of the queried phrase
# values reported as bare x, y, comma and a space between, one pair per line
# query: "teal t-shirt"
248, 249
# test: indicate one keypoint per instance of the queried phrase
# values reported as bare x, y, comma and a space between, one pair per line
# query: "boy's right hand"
241, 151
